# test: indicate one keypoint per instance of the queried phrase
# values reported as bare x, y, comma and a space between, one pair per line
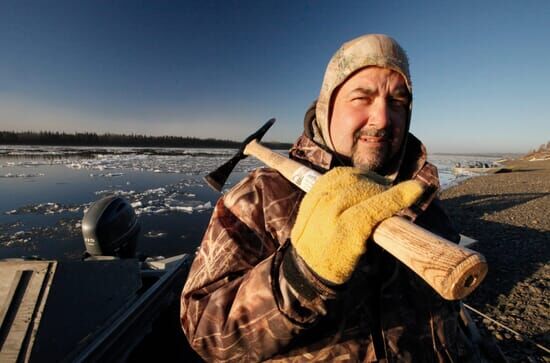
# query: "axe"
451, 270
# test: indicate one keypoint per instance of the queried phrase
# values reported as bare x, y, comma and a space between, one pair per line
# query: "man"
285, 277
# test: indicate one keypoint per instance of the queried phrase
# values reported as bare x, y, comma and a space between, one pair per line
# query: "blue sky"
222, 68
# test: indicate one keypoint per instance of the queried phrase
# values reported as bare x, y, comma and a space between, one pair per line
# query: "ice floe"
161, 160
155, 234
10, 175
106, 175
48, 208
172, 198
17, 234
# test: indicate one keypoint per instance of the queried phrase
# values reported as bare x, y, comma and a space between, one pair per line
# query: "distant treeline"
93, 139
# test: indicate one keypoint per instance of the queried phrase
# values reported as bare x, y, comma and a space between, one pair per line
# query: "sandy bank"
509, 214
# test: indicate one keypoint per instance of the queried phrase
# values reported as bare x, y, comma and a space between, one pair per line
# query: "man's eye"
398, 102
362, 99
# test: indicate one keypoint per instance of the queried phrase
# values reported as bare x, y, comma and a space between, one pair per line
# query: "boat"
479, 168
83, 311
100, 308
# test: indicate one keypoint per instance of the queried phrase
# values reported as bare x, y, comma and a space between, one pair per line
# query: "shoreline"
508, 214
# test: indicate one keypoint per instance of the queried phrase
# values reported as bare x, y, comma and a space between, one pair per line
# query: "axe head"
218, 177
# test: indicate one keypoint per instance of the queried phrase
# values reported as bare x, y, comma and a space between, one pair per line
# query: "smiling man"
369, 117
284, 276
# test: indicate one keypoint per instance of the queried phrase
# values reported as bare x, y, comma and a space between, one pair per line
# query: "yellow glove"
338, 215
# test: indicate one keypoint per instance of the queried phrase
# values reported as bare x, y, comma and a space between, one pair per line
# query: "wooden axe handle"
451, 270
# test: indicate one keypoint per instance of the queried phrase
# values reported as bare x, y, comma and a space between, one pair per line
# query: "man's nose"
379, 115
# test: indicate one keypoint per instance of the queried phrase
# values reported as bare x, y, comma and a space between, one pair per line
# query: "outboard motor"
110, 228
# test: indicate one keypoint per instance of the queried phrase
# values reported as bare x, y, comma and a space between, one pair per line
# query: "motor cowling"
110, 227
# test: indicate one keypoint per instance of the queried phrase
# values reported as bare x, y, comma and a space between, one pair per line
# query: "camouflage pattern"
250, 298
367, 50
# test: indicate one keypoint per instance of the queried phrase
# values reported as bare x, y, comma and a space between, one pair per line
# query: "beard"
371, 157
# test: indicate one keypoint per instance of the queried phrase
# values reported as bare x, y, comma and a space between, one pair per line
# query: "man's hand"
339, 214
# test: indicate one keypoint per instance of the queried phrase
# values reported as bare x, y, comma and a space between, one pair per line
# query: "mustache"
385, 134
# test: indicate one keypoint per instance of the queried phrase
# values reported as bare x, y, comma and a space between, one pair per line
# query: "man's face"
369, 117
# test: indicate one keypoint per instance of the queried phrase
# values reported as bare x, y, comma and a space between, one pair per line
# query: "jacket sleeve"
436, 220
237, 303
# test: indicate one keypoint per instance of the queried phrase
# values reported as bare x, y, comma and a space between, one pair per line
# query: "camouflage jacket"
249, 297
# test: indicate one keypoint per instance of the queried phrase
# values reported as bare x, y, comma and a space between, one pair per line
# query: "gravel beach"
509, 214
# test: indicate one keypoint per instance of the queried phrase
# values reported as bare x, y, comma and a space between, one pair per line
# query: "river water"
44, 192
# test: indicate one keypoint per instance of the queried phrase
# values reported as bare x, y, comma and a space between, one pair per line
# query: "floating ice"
12, 234
49, 208
204, 206
106, 175
155, 234
10, 175
178, 208
168, 199
161, 160
155, 191
120, 193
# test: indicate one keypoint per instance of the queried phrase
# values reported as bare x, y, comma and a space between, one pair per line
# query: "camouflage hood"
368, 50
